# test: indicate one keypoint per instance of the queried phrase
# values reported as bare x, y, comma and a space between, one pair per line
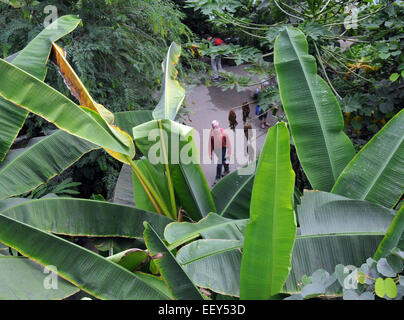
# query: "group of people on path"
219, 141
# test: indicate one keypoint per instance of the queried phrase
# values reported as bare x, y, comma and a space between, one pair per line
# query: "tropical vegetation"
168, 235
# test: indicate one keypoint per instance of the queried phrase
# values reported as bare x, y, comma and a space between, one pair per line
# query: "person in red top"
219, 142
216, 62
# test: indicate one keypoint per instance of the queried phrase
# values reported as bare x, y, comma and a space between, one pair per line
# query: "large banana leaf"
219, 273
85, 269
312, 110
82, 217
189, 182
203, 261
23, 279
175, 277
127, 120
79, 91
173, 94
218, 267
232, 195
271, 232
201, 249
211, 227
12, 202
218, 270
157, 283
123, 193
156, 177
124, 187
41, 162
393, 235
327, 213
311, 253
130, 259
76, 87
376, 173
32, 59
35, 96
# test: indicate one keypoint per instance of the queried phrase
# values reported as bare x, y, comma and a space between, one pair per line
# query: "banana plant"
83, 127
163, 190
333, 228
180, 185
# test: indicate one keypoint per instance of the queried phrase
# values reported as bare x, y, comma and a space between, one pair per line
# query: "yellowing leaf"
76, 87
79, 91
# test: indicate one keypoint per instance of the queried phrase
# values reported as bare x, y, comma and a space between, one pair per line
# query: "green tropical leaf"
376, 173
213, 264
129, 259
85, 269
232, 195
392, 237
23, 279
35, 165
155, 175
201, 249
379, 287
189, 182
82, 217
124, 187
123, 193
390, 287
314, 252
211, 227
271, 232
313, 113
173, 94
35, 96
326, 213
177, 280
32, 59
220, 272
157, 283
127, 120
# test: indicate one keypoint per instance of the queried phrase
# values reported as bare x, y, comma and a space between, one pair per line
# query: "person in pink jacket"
219, 142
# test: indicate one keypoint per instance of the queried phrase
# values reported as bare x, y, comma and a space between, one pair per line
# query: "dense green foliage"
251, 237
117, 53
363, 65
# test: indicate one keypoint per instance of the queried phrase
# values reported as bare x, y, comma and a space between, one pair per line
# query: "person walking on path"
219, 142
259, 111
216, 62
